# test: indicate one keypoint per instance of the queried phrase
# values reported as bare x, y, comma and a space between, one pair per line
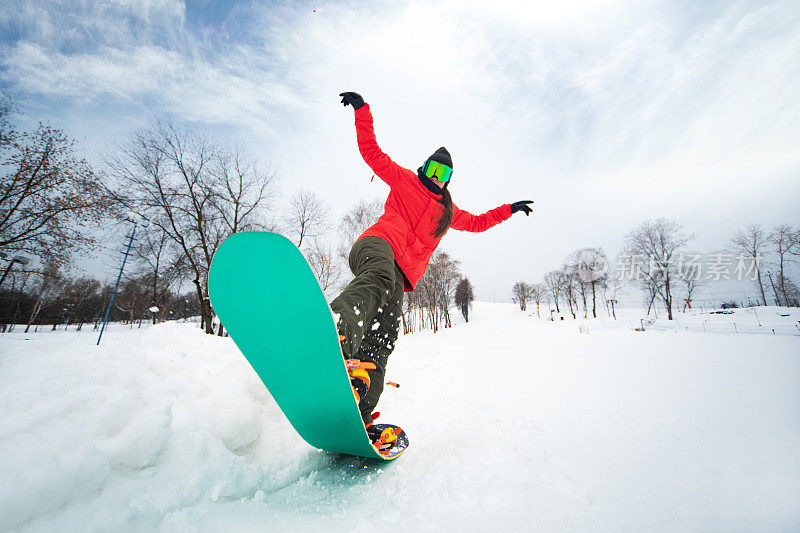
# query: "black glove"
354, 99
522, 206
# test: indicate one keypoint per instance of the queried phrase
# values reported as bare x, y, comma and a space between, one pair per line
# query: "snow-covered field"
763, 320
516, 423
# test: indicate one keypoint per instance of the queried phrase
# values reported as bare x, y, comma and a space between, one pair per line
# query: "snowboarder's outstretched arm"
466, 221
379, 162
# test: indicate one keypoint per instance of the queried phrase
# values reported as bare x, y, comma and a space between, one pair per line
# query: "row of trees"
578, 284
664, 270
65, 301
188, 192
780, 246
429, 304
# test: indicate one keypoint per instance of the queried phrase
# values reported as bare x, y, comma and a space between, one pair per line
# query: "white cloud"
87, 24
589, 107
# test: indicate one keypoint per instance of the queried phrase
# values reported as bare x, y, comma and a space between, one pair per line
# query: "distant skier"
390, 257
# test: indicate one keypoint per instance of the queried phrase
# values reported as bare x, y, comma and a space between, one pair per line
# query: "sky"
605, 113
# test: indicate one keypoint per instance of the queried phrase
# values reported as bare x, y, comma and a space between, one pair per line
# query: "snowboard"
271, 304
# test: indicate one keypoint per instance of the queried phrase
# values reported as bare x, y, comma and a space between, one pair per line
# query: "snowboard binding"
359, 378
387, 439
357, 372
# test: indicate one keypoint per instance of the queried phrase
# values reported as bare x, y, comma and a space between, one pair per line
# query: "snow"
762, 320
514, 421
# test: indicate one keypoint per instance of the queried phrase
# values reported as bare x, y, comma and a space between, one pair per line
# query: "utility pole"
135, 221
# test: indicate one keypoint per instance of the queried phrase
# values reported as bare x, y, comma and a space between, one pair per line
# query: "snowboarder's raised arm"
379, 162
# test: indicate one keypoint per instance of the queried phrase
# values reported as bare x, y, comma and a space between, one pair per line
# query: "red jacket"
411, 210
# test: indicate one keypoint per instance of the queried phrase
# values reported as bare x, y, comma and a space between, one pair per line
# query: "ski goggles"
438, 170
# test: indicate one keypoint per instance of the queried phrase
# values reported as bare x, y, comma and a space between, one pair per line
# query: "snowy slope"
515, 422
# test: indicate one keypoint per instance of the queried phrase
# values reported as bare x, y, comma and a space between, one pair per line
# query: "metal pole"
127, 251
777, 300
22, 260
8, 269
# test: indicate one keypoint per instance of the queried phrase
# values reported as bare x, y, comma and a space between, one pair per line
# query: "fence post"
734, 328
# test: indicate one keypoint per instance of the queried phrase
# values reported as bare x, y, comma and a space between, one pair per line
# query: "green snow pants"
369, 311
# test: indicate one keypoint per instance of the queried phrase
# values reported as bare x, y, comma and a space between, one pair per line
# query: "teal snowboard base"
271, 304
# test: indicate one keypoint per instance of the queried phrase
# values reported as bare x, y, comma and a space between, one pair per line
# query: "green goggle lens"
439, 170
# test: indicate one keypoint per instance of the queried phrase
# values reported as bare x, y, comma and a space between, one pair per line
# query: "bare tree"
163, 264
356, 221
783, 238
522, 292
307, 217
452, 274
614, 285
691, 278
48, 196
464, 297
792, 293
352, 224
658, 240
652, 285
538, 291
244, 191
14, 299
83, 300
553, 281
323, 262
410, 307
582, 288
79, 300
47, 287
570, 285
794, 246
193, 191
437, 288
167, 177
591, 266
7, 109
133, 300
752, 242
547, 297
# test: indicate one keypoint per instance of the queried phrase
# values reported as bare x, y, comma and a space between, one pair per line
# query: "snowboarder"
391, 256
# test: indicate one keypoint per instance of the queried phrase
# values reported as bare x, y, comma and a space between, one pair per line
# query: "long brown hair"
443, 224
